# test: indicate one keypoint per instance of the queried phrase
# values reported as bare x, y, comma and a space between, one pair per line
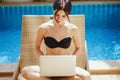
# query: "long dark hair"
64, 5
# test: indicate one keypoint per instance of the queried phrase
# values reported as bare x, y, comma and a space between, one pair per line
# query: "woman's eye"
63, 16
57, 15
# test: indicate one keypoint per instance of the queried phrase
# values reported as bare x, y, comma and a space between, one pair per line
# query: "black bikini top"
53, 43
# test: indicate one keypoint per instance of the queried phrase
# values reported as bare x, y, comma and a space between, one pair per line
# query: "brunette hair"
64, 5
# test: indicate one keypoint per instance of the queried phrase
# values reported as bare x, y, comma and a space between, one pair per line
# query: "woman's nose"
60, 18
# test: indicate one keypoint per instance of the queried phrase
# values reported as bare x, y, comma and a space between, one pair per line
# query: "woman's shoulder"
44, 25
71, 25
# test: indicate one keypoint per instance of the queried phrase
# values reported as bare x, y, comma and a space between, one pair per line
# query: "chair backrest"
30, 25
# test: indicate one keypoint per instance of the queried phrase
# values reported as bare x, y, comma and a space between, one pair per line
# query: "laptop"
60, 65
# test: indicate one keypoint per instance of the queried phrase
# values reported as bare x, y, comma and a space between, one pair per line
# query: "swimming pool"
102, 25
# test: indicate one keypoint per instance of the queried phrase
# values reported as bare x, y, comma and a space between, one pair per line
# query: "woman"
57, 34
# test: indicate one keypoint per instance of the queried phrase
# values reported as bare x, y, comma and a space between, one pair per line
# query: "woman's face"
60, 16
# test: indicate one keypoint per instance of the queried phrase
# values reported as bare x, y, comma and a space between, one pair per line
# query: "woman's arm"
76, 39
38, 41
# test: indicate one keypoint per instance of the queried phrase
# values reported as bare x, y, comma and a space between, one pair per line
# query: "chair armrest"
87, 64
16, 72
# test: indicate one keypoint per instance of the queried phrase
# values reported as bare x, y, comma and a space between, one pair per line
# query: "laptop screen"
61, 65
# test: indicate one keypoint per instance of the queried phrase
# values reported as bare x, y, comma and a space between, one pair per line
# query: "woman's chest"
58, 33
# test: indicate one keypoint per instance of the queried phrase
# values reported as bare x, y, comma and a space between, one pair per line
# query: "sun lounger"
28, 55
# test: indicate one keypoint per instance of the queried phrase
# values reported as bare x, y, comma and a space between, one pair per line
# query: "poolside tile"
104, 66
106, 77
8, 67
5, 78
6, 70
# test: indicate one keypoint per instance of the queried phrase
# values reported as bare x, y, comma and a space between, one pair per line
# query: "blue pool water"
102, 29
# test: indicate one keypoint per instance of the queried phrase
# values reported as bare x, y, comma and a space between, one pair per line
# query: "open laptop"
60, 65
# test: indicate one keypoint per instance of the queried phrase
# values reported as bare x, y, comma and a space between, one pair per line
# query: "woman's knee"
30, 69
86, 76
25, 71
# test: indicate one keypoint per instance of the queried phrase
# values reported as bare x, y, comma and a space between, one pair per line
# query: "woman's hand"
41, 54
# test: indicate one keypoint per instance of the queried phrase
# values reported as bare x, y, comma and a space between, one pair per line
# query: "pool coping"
51, 2
6, 70
104, 66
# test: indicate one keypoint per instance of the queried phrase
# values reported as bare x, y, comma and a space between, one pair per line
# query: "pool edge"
104, 66
41, 3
